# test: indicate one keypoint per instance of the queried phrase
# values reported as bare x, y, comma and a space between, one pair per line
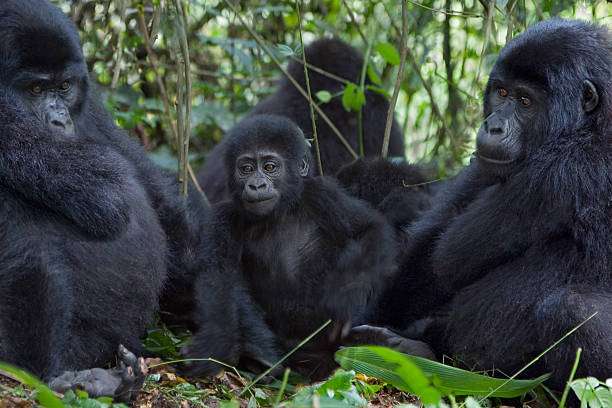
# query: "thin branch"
184, 100
322, 71
448, 12
398, 81
297, 86
312, 114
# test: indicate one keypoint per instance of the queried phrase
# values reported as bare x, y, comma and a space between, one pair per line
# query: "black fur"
344, 61
318, 255
89, 225
399, 190
526, 247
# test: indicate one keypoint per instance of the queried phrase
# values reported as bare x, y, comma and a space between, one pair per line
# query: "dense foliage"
132, 46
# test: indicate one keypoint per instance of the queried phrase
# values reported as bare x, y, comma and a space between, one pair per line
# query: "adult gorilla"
339, 59
523, 236
89, 224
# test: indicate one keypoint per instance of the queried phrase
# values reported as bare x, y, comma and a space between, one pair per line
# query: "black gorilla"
401, 191
522, 238
89, 225
340, 59
290, 250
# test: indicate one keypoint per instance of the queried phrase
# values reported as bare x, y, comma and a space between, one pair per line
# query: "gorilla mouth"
490, 160
260, 200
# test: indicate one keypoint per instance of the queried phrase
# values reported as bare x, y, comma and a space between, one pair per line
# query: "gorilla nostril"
261, 186
252, 187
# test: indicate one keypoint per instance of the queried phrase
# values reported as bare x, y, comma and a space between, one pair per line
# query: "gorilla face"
51, 97
511, 107
259, 174
536, 94
43, 65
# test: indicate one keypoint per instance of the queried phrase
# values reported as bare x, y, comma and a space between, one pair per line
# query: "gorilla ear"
304, 167
590, 97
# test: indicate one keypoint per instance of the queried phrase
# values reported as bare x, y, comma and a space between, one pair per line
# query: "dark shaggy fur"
318, 255
89, 226
344, 61
526, 247
399, 190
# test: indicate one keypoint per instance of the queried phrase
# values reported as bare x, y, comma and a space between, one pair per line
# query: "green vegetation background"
451, 48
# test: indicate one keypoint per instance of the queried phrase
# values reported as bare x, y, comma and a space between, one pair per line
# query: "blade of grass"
570, 379
285, 357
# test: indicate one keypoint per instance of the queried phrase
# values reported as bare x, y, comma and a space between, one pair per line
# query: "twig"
398, 81
184, 100
312, 114
293, 81
364, 69
448, 12
322, 71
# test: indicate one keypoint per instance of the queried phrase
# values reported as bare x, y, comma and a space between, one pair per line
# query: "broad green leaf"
373, 75
324, 96
388, 52
285, 50
353, 98
45, 397
391, 367
447, 379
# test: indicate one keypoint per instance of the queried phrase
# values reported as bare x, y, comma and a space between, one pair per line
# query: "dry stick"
297, 86
415, 67
185, 103
312, 114
322, 71
155, 63
398, 81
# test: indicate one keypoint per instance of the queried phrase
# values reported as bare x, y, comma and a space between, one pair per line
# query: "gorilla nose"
257, 186
497, 126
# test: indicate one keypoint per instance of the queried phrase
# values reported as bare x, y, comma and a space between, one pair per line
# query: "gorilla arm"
367, 253
230, 326
82, 181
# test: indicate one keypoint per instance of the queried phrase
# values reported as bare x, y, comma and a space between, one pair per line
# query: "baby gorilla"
286, 253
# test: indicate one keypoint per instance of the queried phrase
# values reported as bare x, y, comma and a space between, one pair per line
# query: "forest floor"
165, 389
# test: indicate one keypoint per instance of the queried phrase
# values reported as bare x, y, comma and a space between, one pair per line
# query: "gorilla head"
545, 89
267, 157
42, 63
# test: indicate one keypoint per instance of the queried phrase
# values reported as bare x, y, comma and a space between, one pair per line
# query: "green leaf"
44, 395
324, 96
285, 50
591, 393
448, 380
353, 98
388, 52
373, 75
391, 367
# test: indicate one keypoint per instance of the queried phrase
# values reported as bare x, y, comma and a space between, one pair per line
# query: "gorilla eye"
503, 92
270, 167
36, 90
525, 101
66, 85
247, 168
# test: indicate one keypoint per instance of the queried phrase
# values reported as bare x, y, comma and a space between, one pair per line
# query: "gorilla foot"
122, 382
381, 336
